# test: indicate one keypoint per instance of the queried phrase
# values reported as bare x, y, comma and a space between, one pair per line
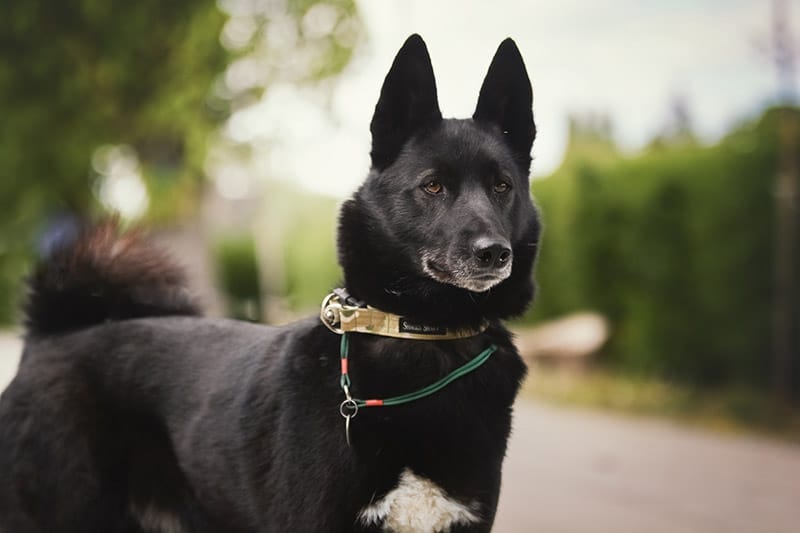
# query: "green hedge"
675, 247
309, 252
239, 277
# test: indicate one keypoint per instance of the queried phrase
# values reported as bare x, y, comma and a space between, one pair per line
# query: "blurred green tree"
238, 275
149, 80
79, 74
674, 246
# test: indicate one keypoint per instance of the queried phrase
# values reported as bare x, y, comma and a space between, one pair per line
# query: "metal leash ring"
350, 404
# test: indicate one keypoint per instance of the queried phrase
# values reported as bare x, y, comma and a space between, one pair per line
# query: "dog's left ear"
506, 100
407, 104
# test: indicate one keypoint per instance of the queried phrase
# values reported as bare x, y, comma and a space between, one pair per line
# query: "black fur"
180, 423
104, 276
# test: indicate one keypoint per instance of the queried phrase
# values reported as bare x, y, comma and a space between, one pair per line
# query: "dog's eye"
433, 187
501, 187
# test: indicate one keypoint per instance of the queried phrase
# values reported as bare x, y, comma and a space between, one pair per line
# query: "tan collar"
340, 317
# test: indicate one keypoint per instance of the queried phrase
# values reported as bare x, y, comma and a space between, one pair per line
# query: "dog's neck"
430, 302
440, 311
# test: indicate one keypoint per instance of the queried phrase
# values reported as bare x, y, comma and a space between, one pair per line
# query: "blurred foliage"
674, 246
154, 78
292, 41
297, 245
79, 74
310, 253
236, 265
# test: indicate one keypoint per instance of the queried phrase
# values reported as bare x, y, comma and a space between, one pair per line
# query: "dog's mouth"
436, 271
463, 278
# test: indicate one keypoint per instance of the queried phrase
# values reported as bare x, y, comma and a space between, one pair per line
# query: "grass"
730, 409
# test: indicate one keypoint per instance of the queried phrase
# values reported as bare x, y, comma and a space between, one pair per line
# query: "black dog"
127, 417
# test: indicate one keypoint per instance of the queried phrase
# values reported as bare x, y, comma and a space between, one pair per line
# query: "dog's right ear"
407, 104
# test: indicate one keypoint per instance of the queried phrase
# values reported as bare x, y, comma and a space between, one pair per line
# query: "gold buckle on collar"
331, 312
340, 318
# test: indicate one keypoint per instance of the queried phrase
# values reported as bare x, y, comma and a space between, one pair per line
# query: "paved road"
572, 471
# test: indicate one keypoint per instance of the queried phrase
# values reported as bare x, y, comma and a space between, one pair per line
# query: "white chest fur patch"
417, 505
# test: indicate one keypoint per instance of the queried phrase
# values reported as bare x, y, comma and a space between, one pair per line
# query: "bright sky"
629, 58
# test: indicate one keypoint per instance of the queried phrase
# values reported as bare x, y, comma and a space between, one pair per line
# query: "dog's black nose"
492, 253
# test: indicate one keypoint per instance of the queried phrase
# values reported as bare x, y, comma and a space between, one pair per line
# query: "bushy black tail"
104, 275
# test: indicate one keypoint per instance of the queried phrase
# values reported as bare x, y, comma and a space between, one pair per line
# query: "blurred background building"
666, 170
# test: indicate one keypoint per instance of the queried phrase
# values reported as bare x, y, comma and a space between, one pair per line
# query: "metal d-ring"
349, 403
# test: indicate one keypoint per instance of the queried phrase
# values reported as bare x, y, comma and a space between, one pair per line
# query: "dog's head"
444, 228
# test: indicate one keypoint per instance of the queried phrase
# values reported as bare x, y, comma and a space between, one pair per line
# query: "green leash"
350, 406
